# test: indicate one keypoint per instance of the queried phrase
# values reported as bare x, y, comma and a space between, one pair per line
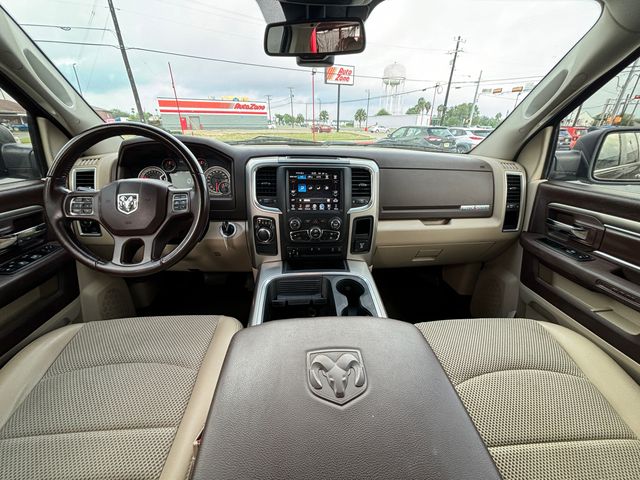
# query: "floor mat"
419, 295
195, 293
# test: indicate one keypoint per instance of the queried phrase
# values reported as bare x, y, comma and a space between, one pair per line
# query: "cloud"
504, 39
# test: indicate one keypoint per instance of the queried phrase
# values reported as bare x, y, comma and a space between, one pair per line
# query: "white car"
271, 126
467, 138
378, 129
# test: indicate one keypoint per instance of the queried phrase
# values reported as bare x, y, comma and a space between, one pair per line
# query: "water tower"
394, 78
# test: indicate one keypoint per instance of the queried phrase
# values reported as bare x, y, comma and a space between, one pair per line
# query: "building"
12, 113
210, 114
395, 121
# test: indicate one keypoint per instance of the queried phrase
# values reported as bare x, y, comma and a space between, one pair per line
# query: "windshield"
198, 68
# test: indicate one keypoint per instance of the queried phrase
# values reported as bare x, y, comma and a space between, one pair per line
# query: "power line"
276, 67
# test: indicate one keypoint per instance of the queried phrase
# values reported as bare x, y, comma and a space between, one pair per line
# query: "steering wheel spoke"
81, 205
131, 251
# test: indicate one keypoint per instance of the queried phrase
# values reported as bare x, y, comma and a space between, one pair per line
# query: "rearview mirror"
314, 39
619, 156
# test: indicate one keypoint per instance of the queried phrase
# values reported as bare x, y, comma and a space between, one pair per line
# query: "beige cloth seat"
116, 399
547, 402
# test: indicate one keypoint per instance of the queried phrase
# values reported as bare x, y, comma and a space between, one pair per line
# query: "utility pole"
338, 116
291, 102
630, 97
623, 91
269, 106
604, 112
433, 105
366, 120
175, 95
475, 100
77, 79
125, 59
313, 105
453, 67
577, 117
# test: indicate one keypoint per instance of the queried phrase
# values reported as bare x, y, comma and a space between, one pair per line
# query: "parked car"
378, 129
321, 129
20, 127
564, 140
438, 139
467, 138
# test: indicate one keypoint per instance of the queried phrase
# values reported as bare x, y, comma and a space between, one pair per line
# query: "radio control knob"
295, 223
335, 223
264, 235
315, 233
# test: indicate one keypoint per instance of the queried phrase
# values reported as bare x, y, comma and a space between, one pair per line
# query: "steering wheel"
138, 213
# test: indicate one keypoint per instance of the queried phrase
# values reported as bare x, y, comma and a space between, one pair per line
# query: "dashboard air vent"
360, 187
85, 179
514, 196
267, 186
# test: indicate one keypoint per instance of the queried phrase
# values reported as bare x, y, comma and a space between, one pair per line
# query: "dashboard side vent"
514, 198
360, 187
85, 179
267, 186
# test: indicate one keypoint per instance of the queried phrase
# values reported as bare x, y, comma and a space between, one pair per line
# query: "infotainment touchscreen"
314, 190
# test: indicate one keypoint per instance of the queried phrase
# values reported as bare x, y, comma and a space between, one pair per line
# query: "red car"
321, 129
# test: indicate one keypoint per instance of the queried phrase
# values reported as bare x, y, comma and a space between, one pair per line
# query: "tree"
116, 112
287, 119
360, 116
459, 114
300, 119
412, 110
279, 118
324, 116
421, 106
381, 112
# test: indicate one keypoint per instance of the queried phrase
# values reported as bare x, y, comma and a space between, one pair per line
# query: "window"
17, 158
600, 140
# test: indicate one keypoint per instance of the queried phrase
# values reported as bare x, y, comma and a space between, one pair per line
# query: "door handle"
578, 232
11, 239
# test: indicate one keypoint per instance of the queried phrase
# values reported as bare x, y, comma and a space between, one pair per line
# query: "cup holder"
353, 291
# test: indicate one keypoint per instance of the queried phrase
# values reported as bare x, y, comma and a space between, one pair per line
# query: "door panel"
581, 254
37, 277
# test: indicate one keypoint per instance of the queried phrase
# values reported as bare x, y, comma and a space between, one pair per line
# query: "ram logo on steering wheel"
127, 203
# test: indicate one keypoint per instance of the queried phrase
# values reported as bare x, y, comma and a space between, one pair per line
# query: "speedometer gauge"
218, 181
153, 173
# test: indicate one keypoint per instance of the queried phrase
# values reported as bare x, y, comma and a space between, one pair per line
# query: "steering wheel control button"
180, 202
81, 206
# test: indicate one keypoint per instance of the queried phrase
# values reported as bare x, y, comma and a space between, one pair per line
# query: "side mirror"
618, 156
314, 40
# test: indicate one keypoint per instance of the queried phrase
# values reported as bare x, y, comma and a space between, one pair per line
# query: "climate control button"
315, 233
295, 223
335, 223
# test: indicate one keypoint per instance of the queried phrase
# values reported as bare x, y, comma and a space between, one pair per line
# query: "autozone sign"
339, 75
212, 107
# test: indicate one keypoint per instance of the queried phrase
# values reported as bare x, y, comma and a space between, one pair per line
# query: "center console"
313, 224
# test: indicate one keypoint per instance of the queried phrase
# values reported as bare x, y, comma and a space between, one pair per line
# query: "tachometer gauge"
218, 181
153, 173
169, 165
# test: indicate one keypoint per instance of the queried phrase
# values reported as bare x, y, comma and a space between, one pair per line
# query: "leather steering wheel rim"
109, 205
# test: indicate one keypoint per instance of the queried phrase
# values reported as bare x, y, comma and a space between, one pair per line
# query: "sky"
513, 42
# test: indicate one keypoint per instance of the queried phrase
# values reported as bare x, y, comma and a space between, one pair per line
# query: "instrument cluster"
169, 169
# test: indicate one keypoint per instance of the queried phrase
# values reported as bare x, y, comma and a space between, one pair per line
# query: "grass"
233, 136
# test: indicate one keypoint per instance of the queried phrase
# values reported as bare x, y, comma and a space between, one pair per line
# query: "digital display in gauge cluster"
314, 190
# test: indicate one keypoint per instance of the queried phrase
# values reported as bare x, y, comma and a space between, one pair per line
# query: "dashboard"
387, 207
